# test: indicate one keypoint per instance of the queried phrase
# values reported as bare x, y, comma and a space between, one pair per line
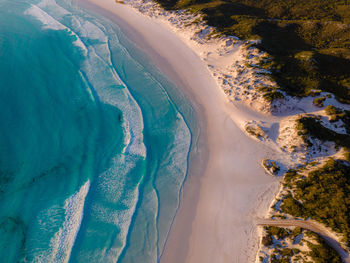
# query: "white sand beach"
226, 188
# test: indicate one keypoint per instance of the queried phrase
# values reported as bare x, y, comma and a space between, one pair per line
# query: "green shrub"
255, 130
323, 195
287, 252
331, 110
296, 251
323, 253
347, 156
267, 240
278, 232
319, 101
313, 127
308, 40
296, 232
271, 166
292, 206
289, 176
273, 95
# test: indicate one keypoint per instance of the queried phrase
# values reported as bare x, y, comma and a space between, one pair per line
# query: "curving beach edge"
226, 188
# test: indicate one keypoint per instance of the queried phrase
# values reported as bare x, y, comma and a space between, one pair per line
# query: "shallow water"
93, 151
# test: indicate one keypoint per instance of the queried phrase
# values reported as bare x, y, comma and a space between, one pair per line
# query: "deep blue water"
93, 149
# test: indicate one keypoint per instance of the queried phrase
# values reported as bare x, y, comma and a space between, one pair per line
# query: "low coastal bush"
336, 114
323, 195
255, 130
331, 110
347, 156
311, 126
277, 232
273, 95
267, 240
296, 232
319, 101
271, 166
308, 40
282, 251
321, 252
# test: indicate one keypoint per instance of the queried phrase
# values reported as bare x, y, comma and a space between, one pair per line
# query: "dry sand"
226, 187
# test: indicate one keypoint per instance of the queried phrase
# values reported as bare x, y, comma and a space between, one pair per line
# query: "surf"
105, 155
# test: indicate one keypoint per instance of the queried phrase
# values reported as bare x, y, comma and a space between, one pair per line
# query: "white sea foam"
98, 55
114, 188
104, 82
151, 201
87, 29
176, 169
48, 21
115, 180
51, 23
54, 7
113, 183
62, 242
181, 145
88, 89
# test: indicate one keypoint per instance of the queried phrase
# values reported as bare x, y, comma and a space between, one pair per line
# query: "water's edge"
126, 186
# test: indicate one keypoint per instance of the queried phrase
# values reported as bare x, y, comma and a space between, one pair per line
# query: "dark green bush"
324, 195
308, 40
319, 101
313, 127
331, 110
323, 253
267, 240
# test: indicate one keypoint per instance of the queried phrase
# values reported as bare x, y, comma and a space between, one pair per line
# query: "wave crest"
61, 244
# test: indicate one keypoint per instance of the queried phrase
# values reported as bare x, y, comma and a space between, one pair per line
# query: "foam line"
50, 23
63, 240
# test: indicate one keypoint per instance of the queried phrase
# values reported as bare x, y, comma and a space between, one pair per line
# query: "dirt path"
309, 226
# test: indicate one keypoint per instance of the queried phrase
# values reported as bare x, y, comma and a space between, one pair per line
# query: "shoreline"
225, 182
198, 154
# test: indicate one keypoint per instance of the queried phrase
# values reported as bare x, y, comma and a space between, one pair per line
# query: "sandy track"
312, 227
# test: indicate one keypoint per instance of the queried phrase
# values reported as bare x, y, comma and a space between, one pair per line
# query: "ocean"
94, 139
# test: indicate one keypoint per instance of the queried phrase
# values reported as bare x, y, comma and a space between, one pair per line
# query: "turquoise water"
93, 151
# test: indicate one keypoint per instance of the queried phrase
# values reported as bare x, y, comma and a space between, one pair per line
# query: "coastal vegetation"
296, 245
311, 126
336, 114
255, 130
271, 166
270, 93
322, 194
319, 101
308, 40
308, 47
